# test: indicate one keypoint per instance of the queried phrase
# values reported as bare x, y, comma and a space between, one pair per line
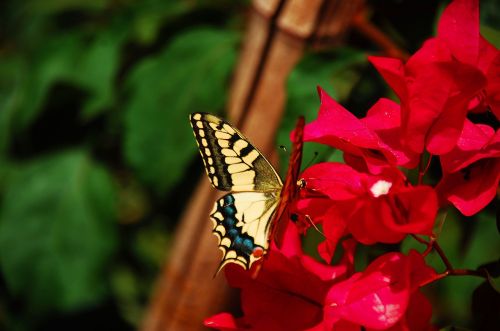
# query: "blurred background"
97, 159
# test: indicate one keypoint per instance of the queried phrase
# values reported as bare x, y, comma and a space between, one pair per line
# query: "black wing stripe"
231, 162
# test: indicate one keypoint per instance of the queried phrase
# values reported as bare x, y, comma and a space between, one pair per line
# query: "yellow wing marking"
231, 162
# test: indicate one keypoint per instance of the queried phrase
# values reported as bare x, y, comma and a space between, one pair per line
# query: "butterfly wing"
242, 222
231, 162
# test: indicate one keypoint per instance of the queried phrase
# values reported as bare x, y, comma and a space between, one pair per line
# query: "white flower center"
381, 187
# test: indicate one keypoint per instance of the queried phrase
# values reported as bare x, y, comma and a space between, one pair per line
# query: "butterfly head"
301, 183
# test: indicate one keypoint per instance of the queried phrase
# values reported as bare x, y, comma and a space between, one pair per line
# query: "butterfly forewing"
241, 221
231, 162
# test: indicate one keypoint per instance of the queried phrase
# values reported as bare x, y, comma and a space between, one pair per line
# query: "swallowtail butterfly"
245, 219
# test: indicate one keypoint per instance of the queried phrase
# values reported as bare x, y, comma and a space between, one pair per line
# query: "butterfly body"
245, 219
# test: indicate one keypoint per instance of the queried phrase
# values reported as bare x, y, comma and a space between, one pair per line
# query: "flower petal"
384, 118
222, 322
473, 188
477, 141
338, 181
417, 317
459, 27
337, 127
392, 70
377, 298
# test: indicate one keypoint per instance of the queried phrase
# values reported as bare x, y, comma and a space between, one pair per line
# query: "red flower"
434, 92
471, 171
288, 292
383, 296
294, 292
417, 317
459, 28
451, 74
373, 208
375, 138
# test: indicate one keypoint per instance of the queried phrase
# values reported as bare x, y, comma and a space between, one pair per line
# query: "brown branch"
420, 240
370, 31
442, 255
423, 170
456, 272
428, 245
468, 272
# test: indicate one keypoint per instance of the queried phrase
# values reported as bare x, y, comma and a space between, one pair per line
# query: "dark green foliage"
486, 307
194, 74
57, 231
94, 145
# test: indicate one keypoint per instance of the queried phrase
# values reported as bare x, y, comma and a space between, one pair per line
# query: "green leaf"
128, 293
149, 15
492, 35
337, 73
55, 61
96, 70
190, 75
10, 68
484, 245
72, 58
57, 231
497, 217
494, 281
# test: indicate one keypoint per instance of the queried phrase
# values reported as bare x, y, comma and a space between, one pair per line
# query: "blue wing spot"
237, 242
247, 246
229, 211
228, 199
242, 243
233, 233
229, 222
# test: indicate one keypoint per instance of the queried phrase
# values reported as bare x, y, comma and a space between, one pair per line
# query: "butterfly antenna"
314, 225
312, 159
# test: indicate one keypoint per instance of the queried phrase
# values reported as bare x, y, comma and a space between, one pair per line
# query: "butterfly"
244, 220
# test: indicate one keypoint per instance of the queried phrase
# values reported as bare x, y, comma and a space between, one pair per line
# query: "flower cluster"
369, 199
295, 292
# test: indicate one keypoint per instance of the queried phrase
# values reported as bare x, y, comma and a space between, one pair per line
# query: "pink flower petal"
375, 299
222, 322
418, 315
472, 190
337, 127
336, 180
466, 82
493, 88
459, 27
477, 141
384, 118
393, 72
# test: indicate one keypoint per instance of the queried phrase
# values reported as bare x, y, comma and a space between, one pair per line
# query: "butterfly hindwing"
242, 221
230, 160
